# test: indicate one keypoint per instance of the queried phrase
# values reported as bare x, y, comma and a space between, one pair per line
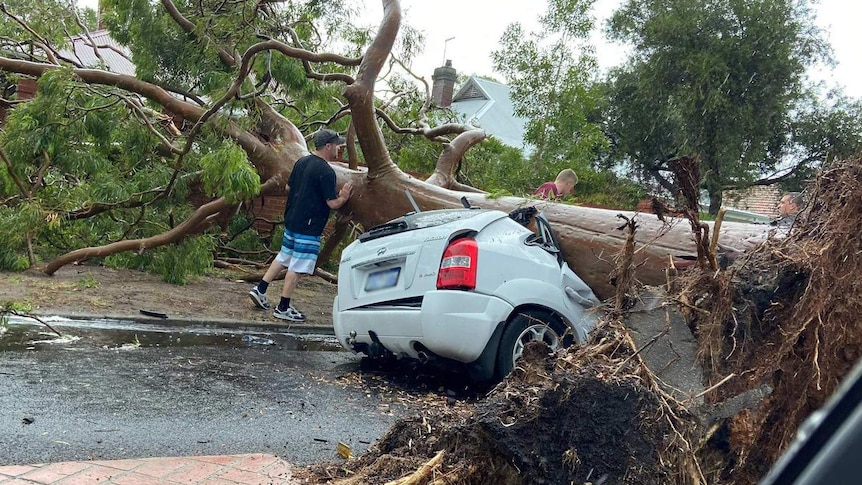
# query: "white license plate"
385, 278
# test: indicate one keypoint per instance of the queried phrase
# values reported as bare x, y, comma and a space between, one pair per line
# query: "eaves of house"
488, 105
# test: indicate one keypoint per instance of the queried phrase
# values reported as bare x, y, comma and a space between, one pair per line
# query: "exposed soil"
119, 293
585, 415
785, 318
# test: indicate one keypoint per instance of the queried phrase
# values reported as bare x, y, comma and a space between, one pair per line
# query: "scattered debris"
580, 415
151, 313
343, 450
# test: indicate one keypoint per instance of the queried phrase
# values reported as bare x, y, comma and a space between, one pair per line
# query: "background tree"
554, 80
823, 130
717, 80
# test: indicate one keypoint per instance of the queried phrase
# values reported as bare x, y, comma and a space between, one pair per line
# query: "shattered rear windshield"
419, 220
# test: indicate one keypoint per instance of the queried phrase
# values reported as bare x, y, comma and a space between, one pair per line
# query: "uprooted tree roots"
783, 320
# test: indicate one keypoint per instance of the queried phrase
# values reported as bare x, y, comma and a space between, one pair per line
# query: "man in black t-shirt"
312, 195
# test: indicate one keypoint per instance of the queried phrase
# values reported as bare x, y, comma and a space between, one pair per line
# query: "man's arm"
343, 195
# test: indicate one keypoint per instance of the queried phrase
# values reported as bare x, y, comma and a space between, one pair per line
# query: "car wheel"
523, 329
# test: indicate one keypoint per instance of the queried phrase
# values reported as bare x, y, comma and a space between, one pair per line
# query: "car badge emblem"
381, 251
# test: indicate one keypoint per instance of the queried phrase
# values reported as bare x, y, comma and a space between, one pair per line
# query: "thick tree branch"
352, 155
360, 94
181, 108
444, 172
173, 235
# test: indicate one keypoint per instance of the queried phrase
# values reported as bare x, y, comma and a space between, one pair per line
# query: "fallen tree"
588, 236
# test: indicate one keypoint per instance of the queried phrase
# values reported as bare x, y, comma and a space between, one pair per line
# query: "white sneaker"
291, 314
259, 299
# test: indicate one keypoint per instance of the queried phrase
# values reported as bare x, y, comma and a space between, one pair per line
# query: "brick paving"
251, 469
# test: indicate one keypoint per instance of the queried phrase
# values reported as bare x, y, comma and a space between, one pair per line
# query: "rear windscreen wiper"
384, 229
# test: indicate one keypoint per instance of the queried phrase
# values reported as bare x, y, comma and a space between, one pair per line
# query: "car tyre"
522, 329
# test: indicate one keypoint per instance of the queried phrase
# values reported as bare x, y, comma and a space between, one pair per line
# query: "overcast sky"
477, 26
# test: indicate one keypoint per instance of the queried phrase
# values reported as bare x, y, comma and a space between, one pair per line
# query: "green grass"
87, 282
17, 306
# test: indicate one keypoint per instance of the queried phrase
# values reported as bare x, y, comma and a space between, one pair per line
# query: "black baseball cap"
324, 136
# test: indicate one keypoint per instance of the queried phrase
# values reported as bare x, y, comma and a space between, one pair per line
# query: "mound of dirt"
590, 414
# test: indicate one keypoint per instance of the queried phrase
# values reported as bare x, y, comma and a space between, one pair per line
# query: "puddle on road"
27, 334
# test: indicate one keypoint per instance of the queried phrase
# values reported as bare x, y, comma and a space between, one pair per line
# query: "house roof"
108, 49
487, 104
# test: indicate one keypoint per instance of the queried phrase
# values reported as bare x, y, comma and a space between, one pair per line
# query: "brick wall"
760, 199
269, 208
26, 88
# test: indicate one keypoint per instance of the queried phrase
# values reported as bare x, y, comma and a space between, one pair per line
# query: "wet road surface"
110, 390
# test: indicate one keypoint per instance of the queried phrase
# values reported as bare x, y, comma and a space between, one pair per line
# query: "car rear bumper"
456, 325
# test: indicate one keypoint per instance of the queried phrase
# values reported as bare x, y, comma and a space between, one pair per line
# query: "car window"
546, 237
419, 220
439, 217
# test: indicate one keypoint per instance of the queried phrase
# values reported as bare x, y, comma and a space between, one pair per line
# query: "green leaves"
17, 223
52, 19
228, 173
551, 74
716, 79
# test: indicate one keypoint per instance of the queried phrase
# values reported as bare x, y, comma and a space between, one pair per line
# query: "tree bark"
590, 238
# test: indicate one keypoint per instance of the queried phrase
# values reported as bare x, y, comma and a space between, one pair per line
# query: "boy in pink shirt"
563, 185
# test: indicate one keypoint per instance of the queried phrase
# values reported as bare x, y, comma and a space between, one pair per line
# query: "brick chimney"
444, 84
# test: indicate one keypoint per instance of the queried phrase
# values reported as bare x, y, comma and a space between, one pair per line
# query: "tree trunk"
590, 238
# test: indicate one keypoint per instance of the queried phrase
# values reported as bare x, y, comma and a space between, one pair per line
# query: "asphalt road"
108, 393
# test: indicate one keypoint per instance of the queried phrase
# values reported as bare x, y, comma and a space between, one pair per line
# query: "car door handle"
574, 295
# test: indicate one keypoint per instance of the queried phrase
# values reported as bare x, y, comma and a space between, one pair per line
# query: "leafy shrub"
175, 262
11, 261
192, 257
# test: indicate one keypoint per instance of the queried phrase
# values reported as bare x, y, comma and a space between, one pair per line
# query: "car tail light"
458, 266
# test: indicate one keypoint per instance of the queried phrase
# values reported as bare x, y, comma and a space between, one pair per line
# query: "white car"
465, 285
